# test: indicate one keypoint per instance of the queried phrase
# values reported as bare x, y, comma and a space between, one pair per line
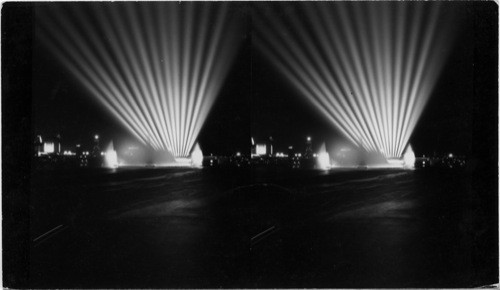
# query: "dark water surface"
201, 228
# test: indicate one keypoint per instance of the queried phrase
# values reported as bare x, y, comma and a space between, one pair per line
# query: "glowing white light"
323, 159
450, 155
156, 67
395, 162
368, 67
180, 162
48, 147
308, 138
260, 149
111, 158
238, 154
409, 158
96, 137
197, 156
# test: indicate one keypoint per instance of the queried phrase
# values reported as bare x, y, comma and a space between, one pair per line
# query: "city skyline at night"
155, 68
255, 100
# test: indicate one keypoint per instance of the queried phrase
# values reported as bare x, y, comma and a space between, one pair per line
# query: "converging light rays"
368, 67
156, 67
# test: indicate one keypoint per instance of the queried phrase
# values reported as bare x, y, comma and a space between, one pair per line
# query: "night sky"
255, 100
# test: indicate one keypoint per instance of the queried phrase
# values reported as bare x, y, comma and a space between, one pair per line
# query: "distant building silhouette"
96, 149
38, 145
43, 146
57, 144
309, 152
270, 146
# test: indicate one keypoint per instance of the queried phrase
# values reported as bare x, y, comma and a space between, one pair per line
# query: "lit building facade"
47, 146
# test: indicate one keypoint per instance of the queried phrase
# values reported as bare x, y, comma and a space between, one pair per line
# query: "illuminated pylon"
156, 67
111, 158
323, 159
368, 67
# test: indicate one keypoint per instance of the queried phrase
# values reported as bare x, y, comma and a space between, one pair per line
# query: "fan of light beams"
156, 67
369, 67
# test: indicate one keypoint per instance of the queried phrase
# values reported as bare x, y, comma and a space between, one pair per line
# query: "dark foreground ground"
164, 228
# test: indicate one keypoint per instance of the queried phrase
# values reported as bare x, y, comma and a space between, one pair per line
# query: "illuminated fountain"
368, 67
197, 156
111, 158
409, 158
323, 159
156, 67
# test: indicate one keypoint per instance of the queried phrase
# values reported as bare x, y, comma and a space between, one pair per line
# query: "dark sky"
256, 101
465, 100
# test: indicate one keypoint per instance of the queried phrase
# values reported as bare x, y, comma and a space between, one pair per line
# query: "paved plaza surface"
268, 227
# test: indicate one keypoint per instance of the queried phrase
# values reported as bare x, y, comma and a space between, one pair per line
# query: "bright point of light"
308, 138
367, 67
96, 137
450, 155
197, 156
315, 155
238, 154
157, 67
